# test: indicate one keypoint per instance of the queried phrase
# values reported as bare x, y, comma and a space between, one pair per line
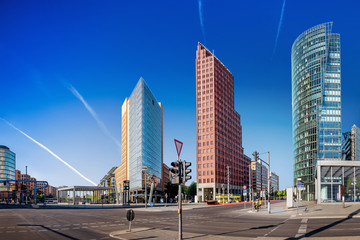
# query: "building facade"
351, 144
332, 176
219, 133
274, 184
7, 166
316, 102
142, 140
259, 176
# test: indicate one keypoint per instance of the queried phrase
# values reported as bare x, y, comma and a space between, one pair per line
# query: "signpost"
178, 146
130, 215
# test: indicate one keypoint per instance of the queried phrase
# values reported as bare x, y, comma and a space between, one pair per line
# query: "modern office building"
316, 102
259, 175
219, 133
351, 144
142, 140
7, 166
274, 181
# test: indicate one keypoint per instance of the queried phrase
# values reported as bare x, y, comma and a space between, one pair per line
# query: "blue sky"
102, 48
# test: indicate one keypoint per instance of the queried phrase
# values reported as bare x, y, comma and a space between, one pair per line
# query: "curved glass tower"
316, 102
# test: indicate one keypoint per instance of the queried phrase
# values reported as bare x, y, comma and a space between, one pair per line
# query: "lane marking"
302, 228
276, 227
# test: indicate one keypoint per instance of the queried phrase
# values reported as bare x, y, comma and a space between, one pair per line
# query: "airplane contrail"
94, 115
201, 20
49, 151
279, 26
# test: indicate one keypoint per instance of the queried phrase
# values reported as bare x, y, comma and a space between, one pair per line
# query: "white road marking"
302, 228
276, 227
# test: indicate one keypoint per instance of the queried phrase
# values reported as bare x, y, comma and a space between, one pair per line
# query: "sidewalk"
163, 234
311, 210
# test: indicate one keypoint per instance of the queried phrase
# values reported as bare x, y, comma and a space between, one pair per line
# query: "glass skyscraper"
7, 165
144, 136
316, 102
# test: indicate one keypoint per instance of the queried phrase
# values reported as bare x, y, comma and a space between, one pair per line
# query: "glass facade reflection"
332, 175
7, 165
316, 102
145, 135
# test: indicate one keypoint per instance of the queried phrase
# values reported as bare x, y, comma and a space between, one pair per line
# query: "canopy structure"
86, 194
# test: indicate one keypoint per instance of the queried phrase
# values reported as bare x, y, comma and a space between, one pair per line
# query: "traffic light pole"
180, 212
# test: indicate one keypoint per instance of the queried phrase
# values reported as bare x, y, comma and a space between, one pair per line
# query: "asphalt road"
232, 221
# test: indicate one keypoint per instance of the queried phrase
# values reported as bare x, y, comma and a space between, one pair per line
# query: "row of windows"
204, 76
208, 136
205, 92
207, 180
206, 158
206, 130
203, 151
205, 165
206, 173
206, 123
208, 80
203, 98
205, 116
205, 87
206, 110
207, 143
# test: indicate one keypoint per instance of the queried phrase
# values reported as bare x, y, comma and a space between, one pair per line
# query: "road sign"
178, 146
244, 187
130, 215
300, 185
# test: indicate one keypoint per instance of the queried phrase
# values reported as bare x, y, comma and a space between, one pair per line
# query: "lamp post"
268, 164
250, 188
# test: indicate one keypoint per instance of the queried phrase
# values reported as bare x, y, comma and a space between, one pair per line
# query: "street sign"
178, 146
166, 195
300, 185
130, 215
244, 187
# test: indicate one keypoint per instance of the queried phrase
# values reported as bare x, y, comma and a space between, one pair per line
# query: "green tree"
184, 189
191, 191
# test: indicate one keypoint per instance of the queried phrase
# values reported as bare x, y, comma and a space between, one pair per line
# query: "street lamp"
144, 169
267, 163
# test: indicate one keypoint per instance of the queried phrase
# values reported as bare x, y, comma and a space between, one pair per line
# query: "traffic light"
186, 166
176, 170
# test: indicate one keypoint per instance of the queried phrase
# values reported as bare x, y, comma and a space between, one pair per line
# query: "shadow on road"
253, 228
49, 229
309, 234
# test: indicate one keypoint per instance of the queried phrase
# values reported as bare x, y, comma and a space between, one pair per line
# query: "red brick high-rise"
219, 134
